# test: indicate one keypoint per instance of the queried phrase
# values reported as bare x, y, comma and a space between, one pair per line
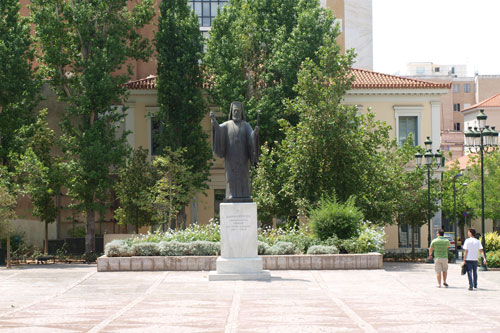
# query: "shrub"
262, 248
451, 256
493, 259
300, 237
145, 249
333, 218
117, 248
78, 232
204, 248
207, 232
281, 248
370, 239
322, 249
173, 248
492, 242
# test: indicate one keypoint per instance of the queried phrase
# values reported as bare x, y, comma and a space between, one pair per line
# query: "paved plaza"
399, 298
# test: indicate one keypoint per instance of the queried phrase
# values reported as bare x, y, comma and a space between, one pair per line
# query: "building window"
456, 107
453, 70
408, 125
457, 127
456, 88
404, 236
437, 69
206, 10
466, 87
219, 196
420, 70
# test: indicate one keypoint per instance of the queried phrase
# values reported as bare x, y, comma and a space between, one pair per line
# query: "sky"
444, 32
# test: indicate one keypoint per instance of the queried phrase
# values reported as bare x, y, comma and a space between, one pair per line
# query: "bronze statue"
237, 143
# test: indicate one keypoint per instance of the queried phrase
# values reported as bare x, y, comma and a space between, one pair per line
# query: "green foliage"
404, 256
82, 46
492, 242
447, 201
371, 239
205, 232
491, 185
262, 248
19, 87
145, 249
332, 150
300, 237
204, 248
413, 201
173, 248
7, 208
134, 191
118, 248
77, 232
322, 249
332, 218
174, 189
38, 169
281, 248
255, 50
493, 259
451, 256
179, 46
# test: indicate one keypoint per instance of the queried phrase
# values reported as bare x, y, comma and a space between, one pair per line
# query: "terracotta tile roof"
373, 80
493, 101
364, 79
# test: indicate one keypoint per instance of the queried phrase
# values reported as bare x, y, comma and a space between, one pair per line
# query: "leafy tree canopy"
254, 53
331, 151
179, 46
82, 46
18, 84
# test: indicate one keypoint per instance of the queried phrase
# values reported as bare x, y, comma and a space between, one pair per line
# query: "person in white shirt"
472, 247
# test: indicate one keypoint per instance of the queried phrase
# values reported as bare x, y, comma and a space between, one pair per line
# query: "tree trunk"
181, 218
7, 261
412, 242
137, 229
46, 247
90, 236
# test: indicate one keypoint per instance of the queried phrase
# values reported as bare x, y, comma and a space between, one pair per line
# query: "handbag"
463, 269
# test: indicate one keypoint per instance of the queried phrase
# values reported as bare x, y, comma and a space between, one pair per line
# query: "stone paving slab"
399, 298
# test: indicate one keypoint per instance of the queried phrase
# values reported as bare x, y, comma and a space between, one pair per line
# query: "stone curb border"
207, 263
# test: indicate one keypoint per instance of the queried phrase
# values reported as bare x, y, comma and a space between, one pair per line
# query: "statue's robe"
237, 144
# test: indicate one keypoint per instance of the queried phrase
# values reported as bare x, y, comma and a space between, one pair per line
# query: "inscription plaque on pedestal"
239, 258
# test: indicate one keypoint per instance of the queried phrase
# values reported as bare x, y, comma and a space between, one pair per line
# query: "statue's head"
237, 112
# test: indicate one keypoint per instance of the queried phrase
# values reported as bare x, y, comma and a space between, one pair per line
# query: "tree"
254, 53
18, 84
83, 45
170, 191
39, 171
179, 44
19, 87
331, 151
413, 205
448, 202
491, 186
134, 190
7, 214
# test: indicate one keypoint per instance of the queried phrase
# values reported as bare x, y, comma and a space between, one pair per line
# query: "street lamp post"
484, 140
455, 212
430, 165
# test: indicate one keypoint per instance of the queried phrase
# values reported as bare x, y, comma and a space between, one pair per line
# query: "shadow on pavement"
49, 266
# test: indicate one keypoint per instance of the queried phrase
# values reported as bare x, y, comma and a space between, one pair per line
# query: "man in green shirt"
439, 246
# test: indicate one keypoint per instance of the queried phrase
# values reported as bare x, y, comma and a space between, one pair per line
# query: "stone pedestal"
239, 258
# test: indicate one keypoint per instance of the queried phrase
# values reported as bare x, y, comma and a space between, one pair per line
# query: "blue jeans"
471, 266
